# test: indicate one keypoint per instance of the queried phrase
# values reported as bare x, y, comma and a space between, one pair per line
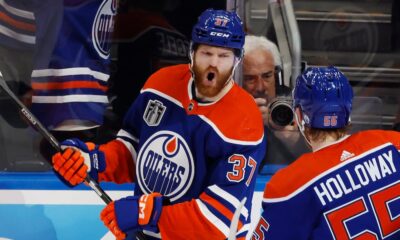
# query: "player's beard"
211, 81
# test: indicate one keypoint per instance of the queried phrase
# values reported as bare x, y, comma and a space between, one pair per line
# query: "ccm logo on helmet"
218, 34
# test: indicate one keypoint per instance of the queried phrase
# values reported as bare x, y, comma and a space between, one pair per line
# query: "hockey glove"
133, 214
78, 159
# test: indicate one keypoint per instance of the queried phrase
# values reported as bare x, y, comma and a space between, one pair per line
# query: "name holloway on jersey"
165, 165
361, 175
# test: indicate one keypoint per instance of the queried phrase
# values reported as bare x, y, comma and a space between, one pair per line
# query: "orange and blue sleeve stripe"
209, 216
17, 25
65, 85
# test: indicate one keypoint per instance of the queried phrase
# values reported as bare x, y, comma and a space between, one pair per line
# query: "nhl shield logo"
154, 112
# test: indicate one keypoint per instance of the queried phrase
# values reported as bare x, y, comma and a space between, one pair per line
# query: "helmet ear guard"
325, 97
239, 53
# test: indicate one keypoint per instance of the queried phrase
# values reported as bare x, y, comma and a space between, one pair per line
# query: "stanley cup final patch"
154, 112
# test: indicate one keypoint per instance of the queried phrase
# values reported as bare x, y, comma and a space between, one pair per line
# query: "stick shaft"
235, 220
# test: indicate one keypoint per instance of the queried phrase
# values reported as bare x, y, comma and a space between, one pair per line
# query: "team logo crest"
165, 165
103, 27
154, 112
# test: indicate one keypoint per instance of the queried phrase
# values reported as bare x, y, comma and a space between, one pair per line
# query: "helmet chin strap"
301, 127
236, 62
191, 51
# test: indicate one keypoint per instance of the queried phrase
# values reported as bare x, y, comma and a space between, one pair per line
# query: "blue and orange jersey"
72, 83
203, 157
18, 24
347, 190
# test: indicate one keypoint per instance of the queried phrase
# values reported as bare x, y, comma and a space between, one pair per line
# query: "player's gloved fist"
70, 165
133, 214
110, 220
92, 161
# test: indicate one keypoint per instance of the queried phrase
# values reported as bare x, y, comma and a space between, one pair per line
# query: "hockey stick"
50, 138
53, 141
235, 220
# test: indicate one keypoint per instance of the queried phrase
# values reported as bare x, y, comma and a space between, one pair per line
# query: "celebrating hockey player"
348, 187
191, 142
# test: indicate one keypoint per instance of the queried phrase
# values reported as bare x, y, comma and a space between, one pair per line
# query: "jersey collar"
331, 143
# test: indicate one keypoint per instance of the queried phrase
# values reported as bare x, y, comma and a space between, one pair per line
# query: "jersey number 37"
240, 163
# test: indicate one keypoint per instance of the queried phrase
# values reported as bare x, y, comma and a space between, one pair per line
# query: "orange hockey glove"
70, 165
133, 214
77, 160
110, 220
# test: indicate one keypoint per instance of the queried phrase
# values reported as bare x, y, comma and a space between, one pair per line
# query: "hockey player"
192, 138
348, 187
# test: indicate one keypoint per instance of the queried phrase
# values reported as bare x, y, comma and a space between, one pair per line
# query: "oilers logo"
165, 165
103, 27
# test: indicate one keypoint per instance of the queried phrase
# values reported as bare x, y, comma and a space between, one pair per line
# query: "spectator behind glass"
260, 65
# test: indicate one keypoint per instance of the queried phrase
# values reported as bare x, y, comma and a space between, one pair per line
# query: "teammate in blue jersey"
71, 70
192, 138
348, 187
70, 85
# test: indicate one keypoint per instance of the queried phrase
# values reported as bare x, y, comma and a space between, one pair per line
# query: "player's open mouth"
210, 76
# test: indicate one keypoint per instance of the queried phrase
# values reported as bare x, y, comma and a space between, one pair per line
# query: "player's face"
259, 74
212, 67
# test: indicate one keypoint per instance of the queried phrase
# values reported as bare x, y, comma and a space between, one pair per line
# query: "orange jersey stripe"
220, 207
67, 85
17, 24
